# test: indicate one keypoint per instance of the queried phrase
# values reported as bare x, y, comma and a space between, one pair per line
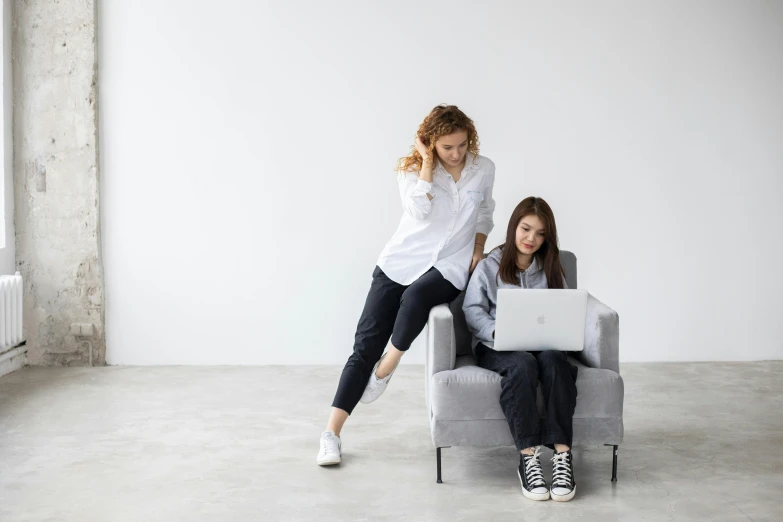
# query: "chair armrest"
602, 337
441, 345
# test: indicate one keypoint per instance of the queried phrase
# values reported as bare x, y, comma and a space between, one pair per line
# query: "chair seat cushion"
469, 392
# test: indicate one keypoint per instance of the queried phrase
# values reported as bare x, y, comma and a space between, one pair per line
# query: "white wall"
7, 237
248, 151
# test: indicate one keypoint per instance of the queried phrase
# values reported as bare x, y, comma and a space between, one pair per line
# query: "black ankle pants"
520, 373
391, 311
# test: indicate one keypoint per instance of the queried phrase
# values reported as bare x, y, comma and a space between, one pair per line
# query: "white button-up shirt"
440, 232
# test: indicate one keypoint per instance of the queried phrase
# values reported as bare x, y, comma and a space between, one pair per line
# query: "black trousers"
520, 373
391, 311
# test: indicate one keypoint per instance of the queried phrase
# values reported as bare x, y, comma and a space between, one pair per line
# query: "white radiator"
10, 311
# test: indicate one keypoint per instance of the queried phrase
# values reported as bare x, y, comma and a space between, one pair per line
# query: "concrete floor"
703, 442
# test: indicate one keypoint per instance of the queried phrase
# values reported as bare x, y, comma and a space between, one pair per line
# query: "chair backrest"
461, 333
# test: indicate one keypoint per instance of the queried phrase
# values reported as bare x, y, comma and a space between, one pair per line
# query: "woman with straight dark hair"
530, 258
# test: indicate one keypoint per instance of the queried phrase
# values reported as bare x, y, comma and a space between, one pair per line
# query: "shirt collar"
470, 161
470, 164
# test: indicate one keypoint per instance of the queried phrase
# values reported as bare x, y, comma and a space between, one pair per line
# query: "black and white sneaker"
563, 484
532, 477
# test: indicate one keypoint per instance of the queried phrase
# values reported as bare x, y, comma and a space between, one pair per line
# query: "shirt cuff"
422, 187
484, 227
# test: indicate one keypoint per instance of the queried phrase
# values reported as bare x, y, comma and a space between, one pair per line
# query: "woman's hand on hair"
423, 150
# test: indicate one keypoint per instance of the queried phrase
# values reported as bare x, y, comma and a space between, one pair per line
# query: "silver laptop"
540, 319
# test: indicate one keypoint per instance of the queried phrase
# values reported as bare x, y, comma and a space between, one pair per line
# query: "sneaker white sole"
564, 498
528, 494
328, 461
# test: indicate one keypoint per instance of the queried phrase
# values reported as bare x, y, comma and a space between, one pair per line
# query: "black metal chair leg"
438, 453
614, 464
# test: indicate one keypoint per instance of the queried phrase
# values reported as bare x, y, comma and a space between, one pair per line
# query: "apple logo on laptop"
541, 319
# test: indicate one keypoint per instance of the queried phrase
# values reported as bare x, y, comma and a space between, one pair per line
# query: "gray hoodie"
481, 297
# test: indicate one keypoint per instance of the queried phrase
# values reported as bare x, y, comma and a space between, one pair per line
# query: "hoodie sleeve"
476, 305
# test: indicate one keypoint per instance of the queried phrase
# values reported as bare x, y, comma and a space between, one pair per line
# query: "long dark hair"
548, 256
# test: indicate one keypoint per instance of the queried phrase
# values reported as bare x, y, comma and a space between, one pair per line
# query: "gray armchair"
463, 399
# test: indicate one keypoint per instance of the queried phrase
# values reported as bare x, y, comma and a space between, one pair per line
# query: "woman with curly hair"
446, 192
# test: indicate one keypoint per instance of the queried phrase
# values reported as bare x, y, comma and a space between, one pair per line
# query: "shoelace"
533, 472
329, 444
561, 470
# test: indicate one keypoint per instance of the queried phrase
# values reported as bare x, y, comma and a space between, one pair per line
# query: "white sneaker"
375, 386
330, 453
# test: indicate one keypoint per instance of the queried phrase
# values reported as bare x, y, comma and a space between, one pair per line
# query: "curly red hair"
441, 121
